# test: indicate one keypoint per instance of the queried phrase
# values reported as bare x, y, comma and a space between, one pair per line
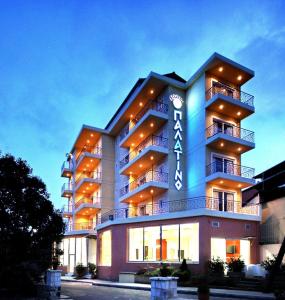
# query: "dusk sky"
68, 63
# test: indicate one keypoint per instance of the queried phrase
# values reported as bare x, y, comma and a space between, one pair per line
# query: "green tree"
29, 226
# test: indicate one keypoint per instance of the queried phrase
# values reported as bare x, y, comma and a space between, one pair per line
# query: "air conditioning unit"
215, 224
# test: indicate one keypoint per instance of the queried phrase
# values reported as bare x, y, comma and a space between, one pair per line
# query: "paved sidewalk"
180, 290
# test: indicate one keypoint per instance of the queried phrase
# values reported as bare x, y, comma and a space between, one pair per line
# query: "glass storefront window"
170, 243
189, 242
136, 244
152, 243
161, 243
105, 249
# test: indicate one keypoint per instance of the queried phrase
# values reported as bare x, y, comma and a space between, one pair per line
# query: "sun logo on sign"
176, 100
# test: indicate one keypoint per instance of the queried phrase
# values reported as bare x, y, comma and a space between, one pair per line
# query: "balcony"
88, 182
66, 210
184, 205
145, 123
146, 154
229, 101
88, 157
66, 169
146, 186
229, 138
229, 174
66, 190
80, 228
88, 205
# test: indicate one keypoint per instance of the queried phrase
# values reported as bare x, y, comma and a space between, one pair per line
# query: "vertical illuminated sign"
177, 115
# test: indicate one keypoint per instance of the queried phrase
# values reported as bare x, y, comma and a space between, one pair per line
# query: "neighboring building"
163, 180
270, 193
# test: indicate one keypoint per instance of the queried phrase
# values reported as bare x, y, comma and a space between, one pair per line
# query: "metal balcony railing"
92, 150
87, 200
66, 165
66, 209
231, 130
66, 187
163, 207
229, 168
154, 105
152, 140
91, 175
147, 177
80, 226
226, 90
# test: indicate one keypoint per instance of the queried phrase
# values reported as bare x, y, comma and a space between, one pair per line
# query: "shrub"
152, 272
216, 265
80, 270
183, 266
235, 265
183, 273
203, 286
142, 271
165, 270
92, 269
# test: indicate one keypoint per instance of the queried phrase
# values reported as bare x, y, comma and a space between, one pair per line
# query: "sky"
68, 63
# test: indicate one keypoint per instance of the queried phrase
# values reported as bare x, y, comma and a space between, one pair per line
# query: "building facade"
163, 180
269, 192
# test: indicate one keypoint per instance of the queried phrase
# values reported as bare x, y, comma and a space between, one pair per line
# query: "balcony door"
224, 201
223, 164
222, 127
223, 89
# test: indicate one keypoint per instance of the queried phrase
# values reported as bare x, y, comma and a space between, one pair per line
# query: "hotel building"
163, 180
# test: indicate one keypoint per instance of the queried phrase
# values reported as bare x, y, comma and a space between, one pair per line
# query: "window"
164, 243
218, 248
227, 249
170, 242
136, 244
105, 249
152, 243
189, 242
224, 201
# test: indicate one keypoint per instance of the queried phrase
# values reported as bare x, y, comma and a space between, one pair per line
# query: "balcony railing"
80, 226
164, 207
66, 209
147, 177
229, 168
155, 105
91, 175
231, 130
226, 90
88, 200
66, 187
152, 140
66, 165
92, 150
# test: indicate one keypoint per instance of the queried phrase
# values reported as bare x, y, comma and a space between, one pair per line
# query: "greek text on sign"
177, 103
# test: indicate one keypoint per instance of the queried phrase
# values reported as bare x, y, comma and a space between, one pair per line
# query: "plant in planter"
203, 290
165, 270
216, 266
80, 270
235, 268
55, 260
183, 273
92, 269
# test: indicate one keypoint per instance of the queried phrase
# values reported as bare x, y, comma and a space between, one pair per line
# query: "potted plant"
236, 268
216, 267
55, 258
203, 290
80, 270
92, 269
183, 273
